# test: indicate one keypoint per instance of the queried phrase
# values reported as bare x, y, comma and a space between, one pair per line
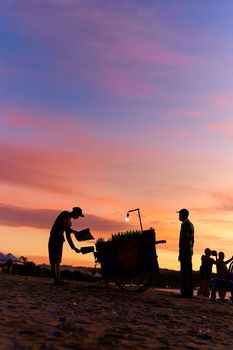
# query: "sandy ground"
37, 315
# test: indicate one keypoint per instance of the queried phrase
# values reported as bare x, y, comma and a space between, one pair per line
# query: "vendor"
62, 224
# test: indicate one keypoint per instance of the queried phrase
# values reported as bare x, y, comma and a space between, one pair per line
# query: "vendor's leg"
55, 256
57, 271
53, 271
57, 279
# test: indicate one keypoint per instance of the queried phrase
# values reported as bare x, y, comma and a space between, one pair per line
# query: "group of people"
221, 282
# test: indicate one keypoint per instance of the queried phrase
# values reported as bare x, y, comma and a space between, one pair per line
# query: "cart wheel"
134, 281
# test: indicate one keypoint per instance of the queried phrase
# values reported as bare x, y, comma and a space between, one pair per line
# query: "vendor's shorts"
55, 250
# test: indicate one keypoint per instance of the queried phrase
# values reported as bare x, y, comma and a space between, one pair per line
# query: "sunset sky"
114, 105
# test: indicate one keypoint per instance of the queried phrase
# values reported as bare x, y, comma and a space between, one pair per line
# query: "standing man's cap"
78, 211
183, 212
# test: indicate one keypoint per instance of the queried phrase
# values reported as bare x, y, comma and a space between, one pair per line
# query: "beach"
35, 314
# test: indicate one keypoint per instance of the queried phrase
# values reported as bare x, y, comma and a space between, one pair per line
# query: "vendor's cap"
183, 212
78, 211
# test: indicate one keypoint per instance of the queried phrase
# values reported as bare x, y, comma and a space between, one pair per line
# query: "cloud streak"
15, 216
221, 203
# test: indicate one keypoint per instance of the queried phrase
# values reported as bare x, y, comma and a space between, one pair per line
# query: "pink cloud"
143, 50
19, 121
194, 113
127, 86
224, 127
222, 102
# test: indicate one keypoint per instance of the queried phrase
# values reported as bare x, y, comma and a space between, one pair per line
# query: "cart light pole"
139, 216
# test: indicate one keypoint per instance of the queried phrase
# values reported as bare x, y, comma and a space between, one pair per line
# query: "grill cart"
129, 258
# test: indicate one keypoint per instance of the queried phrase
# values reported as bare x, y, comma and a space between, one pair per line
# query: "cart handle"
162, 241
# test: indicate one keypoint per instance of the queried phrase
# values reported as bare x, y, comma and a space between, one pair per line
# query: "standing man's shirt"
186, 240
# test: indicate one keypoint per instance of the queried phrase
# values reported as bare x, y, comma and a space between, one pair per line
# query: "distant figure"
206, 272
8, 266
220, 283
62, 224
222, 265
186, 243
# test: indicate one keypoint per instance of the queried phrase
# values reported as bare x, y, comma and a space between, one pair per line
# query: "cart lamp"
127, 217
139, 216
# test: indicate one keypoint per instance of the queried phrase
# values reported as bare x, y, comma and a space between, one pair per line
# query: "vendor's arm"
70, 241
68, 230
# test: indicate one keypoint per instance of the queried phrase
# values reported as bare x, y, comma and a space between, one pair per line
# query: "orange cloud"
32, 167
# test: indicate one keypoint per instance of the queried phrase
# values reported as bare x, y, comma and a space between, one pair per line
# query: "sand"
82, 315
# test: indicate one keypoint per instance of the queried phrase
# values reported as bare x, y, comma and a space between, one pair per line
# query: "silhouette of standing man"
62, 224
186, 243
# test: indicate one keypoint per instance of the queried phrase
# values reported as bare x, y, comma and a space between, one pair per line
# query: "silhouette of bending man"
62, 224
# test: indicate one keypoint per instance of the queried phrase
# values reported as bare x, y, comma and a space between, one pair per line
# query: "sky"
115, 105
